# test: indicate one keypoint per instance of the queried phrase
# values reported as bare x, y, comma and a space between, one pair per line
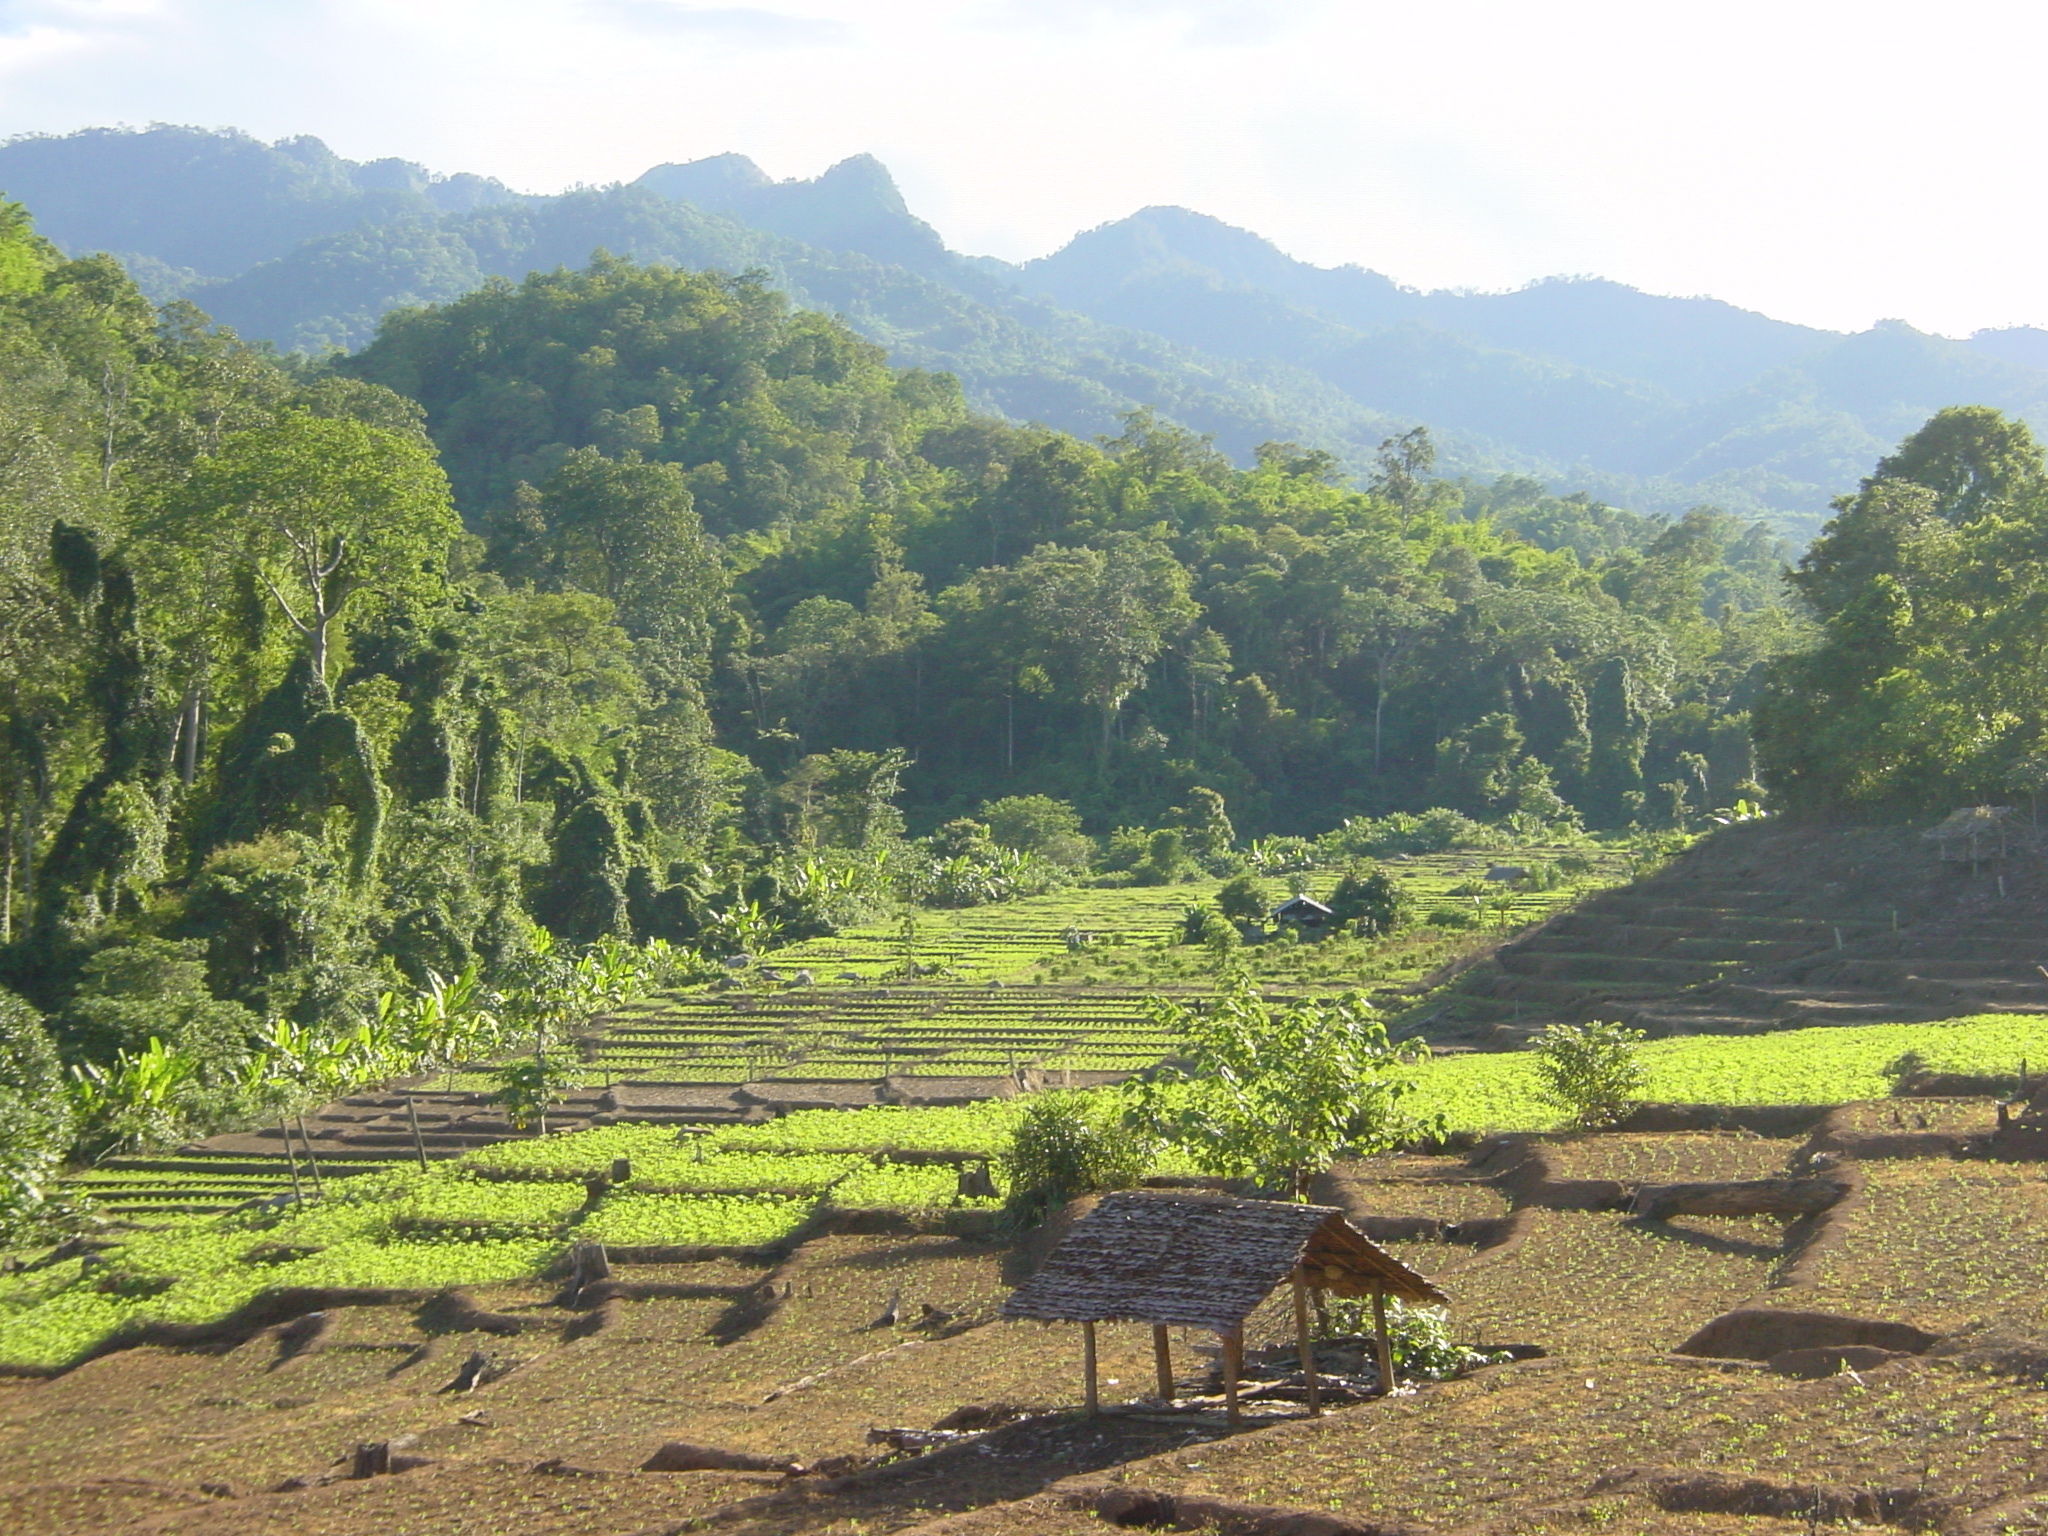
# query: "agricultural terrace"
1055, 982
506, 1212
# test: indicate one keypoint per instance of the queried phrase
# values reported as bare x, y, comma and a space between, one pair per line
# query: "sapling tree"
1274, 1094
1070, 1144
1591, 1071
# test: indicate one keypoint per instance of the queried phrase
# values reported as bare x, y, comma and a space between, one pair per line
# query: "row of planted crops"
508, 1211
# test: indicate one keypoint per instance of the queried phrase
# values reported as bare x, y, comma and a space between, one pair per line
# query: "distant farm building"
1303, 912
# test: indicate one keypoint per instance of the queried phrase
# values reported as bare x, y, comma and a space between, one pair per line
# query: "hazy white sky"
1822, 161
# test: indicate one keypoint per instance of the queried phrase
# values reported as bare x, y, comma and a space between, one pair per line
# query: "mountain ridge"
1656, 401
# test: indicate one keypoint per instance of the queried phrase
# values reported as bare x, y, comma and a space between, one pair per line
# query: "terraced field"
944, 1007
1766, 926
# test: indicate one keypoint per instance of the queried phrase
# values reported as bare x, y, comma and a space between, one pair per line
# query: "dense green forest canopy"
633, 602
1925, 689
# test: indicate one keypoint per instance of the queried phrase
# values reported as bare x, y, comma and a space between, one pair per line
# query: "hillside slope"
1766, 926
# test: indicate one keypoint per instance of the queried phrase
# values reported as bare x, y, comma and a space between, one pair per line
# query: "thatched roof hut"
1969, 824
1207, 1261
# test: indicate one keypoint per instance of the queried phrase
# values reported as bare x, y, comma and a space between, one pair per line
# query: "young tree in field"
324, 511
1590, 1070
1275, 1093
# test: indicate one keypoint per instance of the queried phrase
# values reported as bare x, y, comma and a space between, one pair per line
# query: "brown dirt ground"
150, 1440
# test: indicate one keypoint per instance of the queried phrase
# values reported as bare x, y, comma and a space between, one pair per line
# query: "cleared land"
782, 1355
774, 1213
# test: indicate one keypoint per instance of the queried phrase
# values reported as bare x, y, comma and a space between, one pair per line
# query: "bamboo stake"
1088, 1366
1383, 1351
1162, 1356
284, 1129
312, 1162
1304, 1339
1233, 1367
419, 1143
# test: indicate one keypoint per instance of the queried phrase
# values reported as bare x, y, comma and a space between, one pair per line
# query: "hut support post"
1383, 1351
1162, 1356
1088, 1365
1233, 1367
1304, 1338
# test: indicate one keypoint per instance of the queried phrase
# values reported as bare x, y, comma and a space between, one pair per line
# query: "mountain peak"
854, 205
715, 183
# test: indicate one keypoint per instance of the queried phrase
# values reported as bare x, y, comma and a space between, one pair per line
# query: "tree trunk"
1379, 713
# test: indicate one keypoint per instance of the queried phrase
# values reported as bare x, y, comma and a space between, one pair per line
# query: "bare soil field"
791, 1362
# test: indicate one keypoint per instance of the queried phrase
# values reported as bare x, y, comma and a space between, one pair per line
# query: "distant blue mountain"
1650, 401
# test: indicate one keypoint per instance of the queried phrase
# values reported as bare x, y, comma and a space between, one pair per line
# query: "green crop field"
1056, 981
507, 1211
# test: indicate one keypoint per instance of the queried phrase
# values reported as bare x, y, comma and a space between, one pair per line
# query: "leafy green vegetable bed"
1831, 1064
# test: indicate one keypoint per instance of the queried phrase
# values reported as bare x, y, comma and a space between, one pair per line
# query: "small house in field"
1304, 912
1171, 1258
1966, 831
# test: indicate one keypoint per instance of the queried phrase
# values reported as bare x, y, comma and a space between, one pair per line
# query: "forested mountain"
630, 601
1656, 402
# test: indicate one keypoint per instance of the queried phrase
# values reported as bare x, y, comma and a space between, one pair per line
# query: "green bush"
1071, 1144
1039, 824
35, 1115
1369, 894
1591, 1071
1447, 916
1419, 1338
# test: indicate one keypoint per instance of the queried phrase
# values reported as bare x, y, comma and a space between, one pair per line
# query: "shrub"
1450, 917
1071, 1144
1590, 1070
1166, 859
1039, 824
1274, 1093
35, 1114
1419, 1338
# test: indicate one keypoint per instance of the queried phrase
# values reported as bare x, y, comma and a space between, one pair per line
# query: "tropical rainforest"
632, 605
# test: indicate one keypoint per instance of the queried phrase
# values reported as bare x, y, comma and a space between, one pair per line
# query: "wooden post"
312, 1162
1233, 1367
1304, 1338
1088, 1365
1162, 1356
419, 1143
1383, 1351
284, 1129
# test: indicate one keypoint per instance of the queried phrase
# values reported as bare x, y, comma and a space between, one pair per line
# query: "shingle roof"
1202, 1261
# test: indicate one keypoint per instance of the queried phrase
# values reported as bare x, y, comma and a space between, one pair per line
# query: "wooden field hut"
1207, 1261
1303, 912
1967, 827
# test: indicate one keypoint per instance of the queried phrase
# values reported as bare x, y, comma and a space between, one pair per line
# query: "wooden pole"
312, 1162
1383, 1351
1162, 1356
419, 1144
1304, 1338
1233, 1367
284, 1129
1088, 1366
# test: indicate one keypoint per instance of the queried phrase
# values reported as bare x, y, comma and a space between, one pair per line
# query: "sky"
1829, 163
